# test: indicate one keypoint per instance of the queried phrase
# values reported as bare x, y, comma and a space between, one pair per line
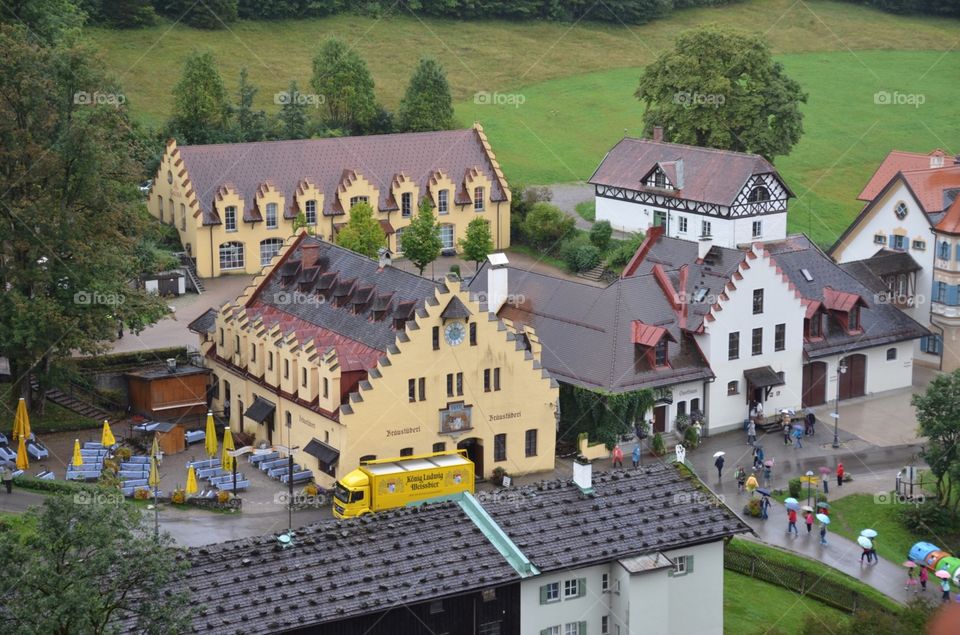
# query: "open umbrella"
864, 542
909, 564
869, 533
768, 463
825, 470
21, 421
806, 508
210, 442
23, 462
191, 481
716, 454
822, 505
154, 479
763, 491
106, 437
943, 573
227, 460
823, 518
793, 505
790, 500
77, 457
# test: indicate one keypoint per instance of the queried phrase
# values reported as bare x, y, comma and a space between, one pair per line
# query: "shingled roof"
325, 163
898, 161
709, 175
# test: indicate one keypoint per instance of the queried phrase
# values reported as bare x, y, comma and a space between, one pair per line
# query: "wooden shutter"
583, 628
581, 587
545, 631
689, 564
543, 594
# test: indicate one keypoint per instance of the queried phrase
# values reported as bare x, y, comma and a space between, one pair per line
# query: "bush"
142, 494
179, 497
926, 517
600, 234
223, 496
455, 269
123, 454
657, 446
752, 508
795, 487
546, 225
690, 438
622, 253
579, 254
498, 474
27, 481
310, 489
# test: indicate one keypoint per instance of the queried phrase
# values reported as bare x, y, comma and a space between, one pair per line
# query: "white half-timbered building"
692, 192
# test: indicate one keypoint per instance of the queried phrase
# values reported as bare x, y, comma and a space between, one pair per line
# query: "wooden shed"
169, 393
170, 438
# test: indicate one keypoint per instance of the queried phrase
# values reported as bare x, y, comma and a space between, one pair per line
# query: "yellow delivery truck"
389, 483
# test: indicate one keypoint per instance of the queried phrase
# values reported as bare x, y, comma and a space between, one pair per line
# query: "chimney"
936, 159
496, 282
383, 257
703, 247
171, 364
308, 254
583, 475
658, 133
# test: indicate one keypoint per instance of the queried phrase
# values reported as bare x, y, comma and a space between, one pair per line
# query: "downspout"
498, 225
211, 251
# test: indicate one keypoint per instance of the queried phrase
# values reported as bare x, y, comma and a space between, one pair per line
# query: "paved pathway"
567, 195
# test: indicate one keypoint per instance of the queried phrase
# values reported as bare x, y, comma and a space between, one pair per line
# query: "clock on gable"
454, 333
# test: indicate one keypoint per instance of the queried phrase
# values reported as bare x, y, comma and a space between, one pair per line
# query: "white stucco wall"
881, 374
535, 616
623, 215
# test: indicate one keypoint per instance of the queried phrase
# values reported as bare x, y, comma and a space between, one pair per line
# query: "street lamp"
809, 481
282, 449
841, 369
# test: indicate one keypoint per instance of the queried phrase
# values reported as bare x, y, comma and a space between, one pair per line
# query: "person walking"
945, 587
797, 439
808, 519
751, 433
839, 474
767, 472
636, 456
786, 433
7, 477
719, 465
751, 484
741, 476
765, 507
823, 534
911, 579
924, 576
810, 420
617, 456
865, 554
792, 522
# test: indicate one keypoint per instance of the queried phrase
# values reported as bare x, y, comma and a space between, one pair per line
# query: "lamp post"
841, 369
282, 449
809, 481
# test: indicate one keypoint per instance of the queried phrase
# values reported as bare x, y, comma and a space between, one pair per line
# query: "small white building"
691, 192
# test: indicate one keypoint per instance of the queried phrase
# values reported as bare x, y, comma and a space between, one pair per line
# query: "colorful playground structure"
928, 555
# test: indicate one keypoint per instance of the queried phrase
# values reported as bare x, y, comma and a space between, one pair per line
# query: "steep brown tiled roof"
896, 161
709, 175
326, 163
934, 187
950, 223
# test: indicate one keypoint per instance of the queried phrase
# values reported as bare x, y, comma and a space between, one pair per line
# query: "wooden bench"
298, 477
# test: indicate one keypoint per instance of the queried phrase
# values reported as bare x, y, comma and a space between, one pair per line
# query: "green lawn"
55, 418
587, 210
752, 606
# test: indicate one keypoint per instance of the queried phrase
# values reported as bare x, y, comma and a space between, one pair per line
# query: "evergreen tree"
201, 111
208, 14
294, 123
341, 77
251, 124
477, 244
362, 233
427, 104
47, 22
420, 241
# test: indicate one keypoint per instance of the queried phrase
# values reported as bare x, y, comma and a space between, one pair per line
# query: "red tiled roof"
812, 306
896, 161
840, 300
950, 223
929, 185
647, 334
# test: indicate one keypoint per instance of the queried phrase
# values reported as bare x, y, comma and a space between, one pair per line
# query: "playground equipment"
928, 555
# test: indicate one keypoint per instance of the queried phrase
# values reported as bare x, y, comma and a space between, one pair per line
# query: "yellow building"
234, 205
349, 358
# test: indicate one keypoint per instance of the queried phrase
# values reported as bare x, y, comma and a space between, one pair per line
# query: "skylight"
700, 294
806, 275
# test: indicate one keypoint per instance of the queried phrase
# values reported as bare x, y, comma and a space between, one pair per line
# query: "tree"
420, 241
127, 14
201, 110
720, 88
70, 211
477, 244
600, 234
294, 123
90, 567
341, 78
938, 413
362, 233
251, 124
427, 104
602, 415
208, 14
546, 225
47, 22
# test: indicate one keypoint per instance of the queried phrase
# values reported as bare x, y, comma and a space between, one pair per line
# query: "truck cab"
351, 495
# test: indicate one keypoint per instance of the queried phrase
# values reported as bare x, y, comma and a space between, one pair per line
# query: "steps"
595, 274
190, 268
72, 403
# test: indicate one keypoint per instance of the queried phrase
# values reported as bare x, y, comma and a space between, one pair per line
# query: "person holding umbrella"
767, 471
719, 464
866, 545
741, 476
924, 576
824, 521
871, 535
944, 584
792, 521
911, 578
808, 519
765, 507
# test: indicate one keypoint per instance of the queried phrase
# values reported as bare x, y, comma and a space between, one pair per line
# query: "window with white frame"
757, 229
231, 255
398, 235
478, 199
271, 215
898, 242
268, 249
550, 593
310, 211
571, 588
706, 229
443, 202
574, 628
358, 199
682, 565
604, 625
551, 630
879, 239
682, 224
230, 218
406, 204
733, 387
920, 245
605, 582
446, 236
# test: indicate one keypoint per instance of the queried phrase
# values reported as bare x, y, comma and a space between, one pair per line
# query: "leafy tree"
477, 244
208, 14
201, 111
341, 76
70, 212
90, 567
362, 233
294, 123
546, 225
420, 241
300, 222
126, 14
600, 234
938, 413
251, 124
720, 88
427, 104
47, 22
604, 416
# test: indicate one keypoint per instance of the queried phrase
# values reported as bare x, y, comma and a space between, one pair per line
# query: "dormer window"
758, 194
310, 211
815, 325
853, 319
660, 353
230, 218
659, 179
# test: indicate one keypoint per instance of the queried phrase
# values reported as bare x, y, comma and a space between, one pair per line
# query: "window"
253, 352
574, 588
758, 194
221, 337
939, 292
406, 451
879, 239
440, 447
757, 301
891, 354
486, 380
173, 220
920, 245
473, 334
236, 344
682, 224
900, 210
160, 207
310, 211
682, 565
604, 623
358, 199
898, 242
230, 218
733, 346
411, 390
398, 237
271, 215
326, 387
757, 343
423, 388
681, 408
303, 377
551, 630
231, 256
169, 176
660, 353
574, 628
530, 443
706, 229
454, 382
943, 253
183, 217
605, 582
406, 204
816, 325
733, 388
436, 338
459, 384
446, 236
478, 199
442, 203
932, 344
695, 405
500, 447
757, 229
659, 179
286, 369
806, 275
268, 249
780, 337
853, 319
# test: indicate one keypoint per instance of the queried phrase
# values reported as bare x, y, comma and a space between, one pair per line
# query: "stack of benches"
135, 474
279, 468
93, 455
219, 479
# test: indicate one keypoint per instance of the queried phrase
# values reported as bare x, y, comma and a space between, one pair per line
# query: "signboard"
456, 418
396, 490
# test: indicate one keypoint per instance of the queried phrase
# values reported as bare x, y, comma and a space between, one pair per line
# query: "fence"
804, 582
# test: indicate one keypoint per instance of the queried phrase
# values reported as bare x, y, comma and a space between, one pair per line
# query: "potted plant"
656, 445
498, 474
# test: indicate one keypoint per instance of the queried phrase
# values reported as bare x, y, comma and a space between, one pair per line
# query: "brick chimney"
308, 254
658, 133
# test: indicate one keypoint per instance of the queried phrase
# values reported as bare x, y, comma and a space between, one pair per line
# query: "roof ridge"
701, 148
323, 139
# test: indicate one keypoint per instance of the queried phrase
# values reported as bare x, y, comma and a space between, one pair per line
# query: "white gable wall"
624, 216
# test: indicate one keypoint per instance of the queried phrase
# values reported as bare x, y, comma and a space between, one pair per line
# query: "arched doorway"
474, 448
814, 384
853, 382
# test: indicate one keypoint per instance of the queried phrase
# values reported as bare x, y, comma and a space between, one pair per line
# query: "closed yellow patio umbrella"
23, 462
154, 479
191, 481
227, 460
155, 450
77, 457
210, 443
21, 421
106, 438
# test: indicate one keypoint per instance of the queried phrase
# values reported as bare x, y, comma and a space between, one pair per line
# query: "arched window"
310, 211
169, 176
160, 207
268, 249
891, 354
759, 194
944, 251
231, 255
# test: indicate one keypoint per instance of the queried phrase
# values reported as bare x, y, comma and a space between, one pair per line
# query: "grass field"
751, 606
55, 418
